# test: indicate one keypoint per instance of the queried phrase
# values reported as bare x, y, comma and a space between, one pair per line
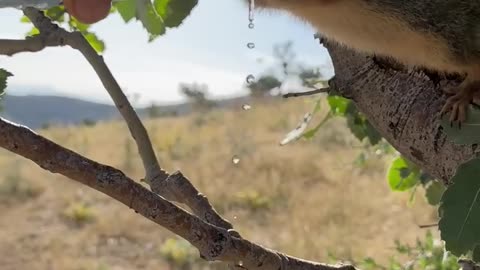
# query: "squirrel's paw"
460, 98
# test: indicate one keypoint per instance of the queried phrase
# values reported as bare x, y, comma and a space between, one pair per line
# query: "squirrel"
439, 35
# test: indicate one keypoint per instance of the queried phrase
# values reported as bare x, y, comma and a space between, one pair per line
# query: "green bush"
428, 254
179, 253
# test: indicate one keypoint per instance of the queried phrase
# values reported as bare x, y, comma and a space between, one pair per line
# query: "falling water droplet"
234, 217
251, 45
240, 263
250, 78
246, 107
251, 8
235, 160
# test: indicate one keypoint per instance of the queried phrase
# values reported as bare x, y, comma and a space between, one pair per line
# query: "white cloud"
161, 85
71, 75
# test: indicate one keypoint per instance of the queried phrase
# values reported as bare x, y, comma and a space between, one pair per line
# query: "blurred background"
321, 197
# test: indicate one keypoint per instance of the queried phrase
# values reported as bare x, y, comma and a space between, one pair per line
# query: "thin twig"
214, 243
307, 93
424, 226
173, 187
137, 129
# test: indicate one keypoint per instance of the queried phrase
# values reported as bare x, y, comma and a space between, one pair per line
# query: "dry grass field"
306, 199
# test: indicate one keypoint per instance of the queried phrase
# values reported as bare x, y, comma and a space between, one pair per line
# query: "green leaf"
150, 19
434, 192
356, 125
156, 16
401, 176
56, 13
25, 19
469, 132
34, 31
126, 9
372, 134
360, 127
356, 122
96, 43
338, 105
76, 25
460, 210
177, 11
4, 74
161, 6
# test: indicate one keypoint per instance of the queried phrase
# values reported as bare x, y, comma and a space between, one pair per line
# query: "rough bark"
403, 105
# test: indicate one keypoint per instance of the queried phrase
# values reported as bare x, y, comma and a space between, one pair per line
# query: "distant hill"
35, 111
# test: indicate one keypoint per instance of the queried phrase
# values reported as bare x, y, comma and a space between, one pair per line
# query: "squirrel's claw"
457, 104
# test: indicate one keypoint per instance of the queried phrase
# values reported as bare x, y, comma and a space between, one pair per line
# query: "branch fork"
204, 228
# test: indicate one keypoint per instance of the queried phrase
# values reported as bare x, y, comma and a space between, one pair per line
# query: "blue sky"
210, 47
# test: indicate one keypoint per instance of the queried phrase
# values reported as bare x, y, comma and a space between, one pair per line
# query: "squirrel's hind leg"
461, 97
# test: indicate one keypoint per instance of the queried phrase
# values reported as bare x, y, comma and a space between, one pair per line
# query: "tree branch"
404, 106
175, 187
51, 36
10, 47
213, 243
78, 42
307, 93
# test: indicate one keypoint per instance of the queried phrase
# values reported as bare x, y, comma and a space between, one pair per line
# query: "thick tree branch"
404, 106
175, 187
214, 243
307, 93
10, 47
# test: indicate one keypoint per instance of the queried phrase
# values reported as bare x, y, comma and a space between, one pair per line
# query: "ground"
306, 199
